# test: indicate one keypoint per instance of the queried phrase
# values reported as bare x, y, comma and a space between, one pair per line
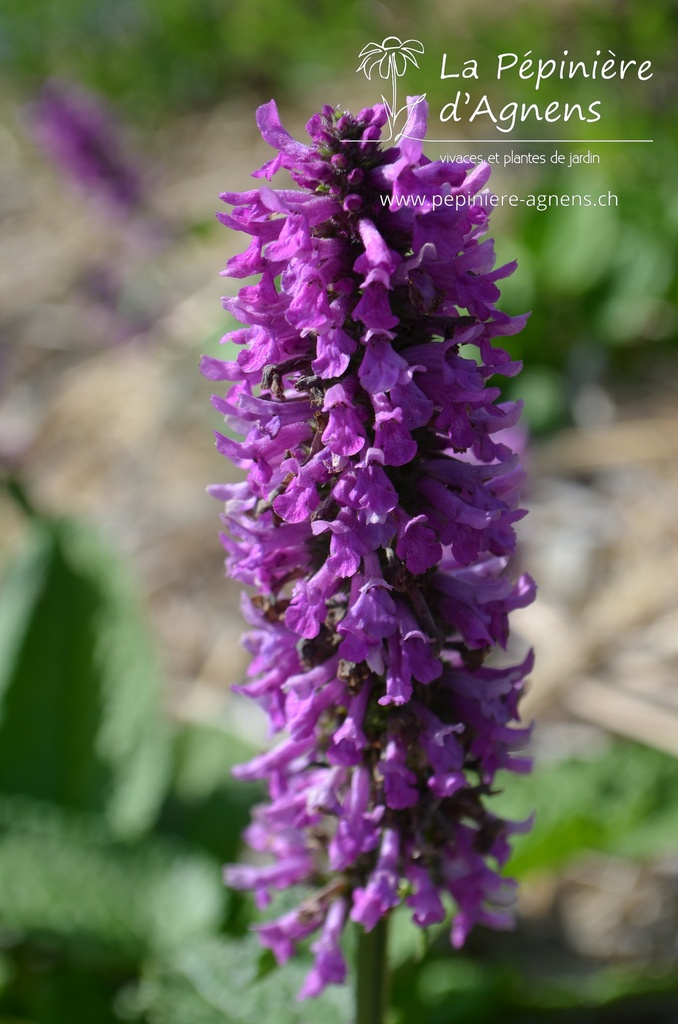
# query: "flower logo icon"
390, 58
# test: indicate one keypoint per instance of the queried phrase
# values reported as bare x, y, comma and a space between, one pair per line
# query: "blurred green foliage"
620, 802
216, 982
161, 56
78, 682
65, 881
467, 989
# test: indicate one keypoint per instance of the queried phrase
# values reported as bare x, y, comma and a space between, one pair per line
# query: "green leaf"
625, 800
266, 963
205, 804
46, 990
79, 695
406, 940
204, 756
572, 263
215, 982
65, 879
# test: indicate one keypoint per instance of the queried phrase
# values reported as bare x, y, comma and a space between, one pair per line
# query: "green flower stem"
372, 974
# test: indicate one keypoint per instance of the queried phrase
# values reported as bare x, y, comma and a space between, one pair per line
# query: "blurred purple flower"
77, 131
376, 527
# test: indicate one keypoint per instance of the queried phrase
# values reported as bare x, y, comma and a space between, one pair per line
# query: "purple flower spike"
376, 528
77, 132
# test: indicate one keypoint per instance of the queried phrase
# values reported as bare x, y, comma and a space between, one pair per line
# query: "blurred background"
120, 122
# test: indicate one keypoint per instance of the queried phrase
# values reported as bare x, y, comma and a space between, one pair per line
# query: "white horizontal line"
517, 142
514, 142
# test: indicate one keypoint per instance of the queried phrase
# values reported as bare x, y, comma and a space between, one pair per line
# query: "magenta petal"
374, 309
268, 122
344, 434
381, 366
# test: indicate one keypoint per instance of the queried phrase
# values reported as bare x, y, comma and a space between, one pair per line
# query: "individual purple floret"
78, 133
375, 527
